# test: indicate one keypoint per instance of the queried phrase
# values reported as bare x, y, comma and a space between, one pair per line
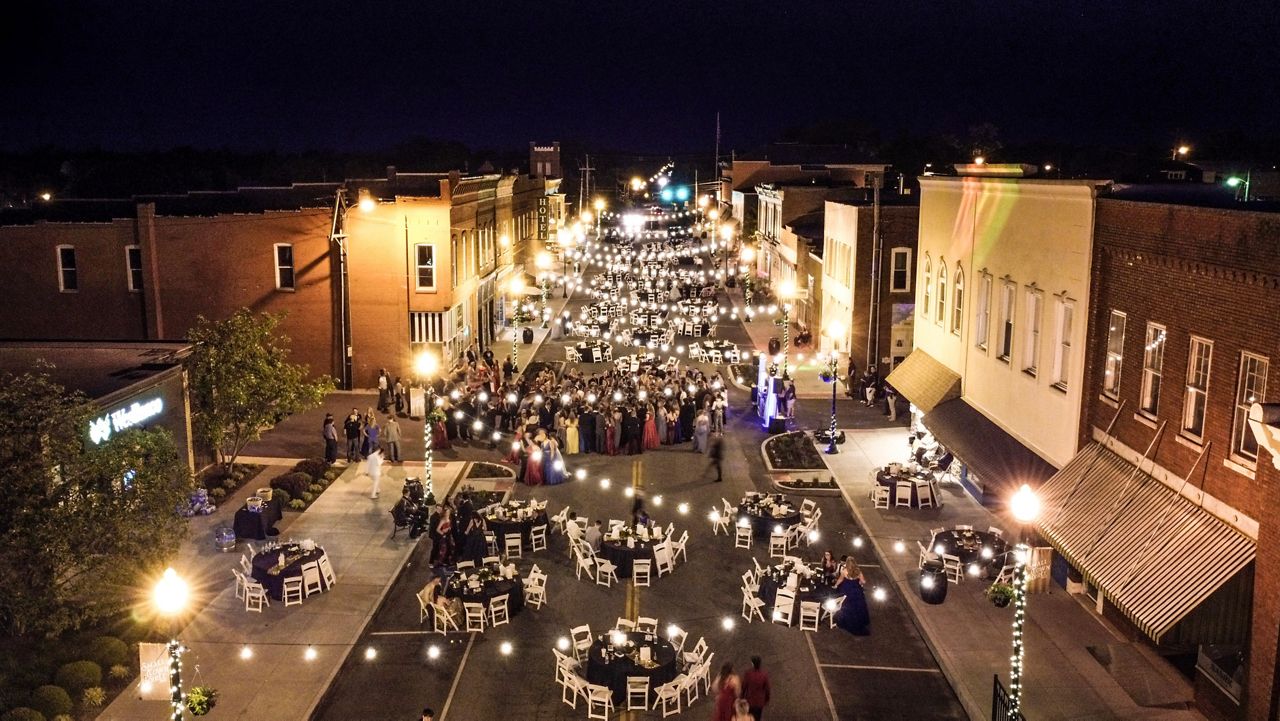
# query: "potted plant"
201, 700
1000, 594
827, 376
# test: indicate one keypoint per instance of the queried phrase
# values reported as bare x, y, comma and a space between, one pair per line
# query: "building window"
284, 266
1062, 343
1250, 389
928, 288
941, 315
1115, 355
1006, 321
68, 280
425, 262
1193, 404
454, 261
1152, 367
133, 266
982, 318
1031, 349
957, 303
900, 271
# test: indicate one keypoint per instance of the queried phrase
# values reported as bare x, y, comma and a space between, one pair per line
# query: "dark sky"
644, 76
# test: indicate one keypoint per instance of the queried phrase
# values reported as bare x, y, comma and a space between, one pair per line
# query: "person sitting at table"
853, 615
829, 566
594, 534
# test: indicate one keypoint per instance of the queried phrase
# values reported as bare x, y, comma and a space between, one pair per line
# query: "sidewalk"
277, 682
800, 361
971, 638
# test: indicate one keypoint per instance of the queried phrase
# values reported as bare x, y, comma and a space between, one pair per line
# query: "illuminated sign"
101, 428
544, 214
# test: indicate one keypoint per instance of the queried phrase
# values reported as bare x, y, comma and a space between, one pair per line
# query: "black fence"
1000, 703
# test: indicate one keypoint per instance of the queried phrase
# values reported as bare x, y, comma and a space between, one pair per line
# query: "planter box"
780, 476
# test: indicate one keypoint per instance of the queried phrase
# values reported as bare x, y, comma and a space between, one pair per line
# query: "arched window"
941, 315
928, 287
957, 303
453, 258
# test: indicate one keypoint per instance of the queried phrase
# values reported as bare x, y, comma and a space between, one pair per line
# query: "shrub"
332, 473
93, 697
22, 713
315, 488
119, 672
62, 717
51, 700
298, 504
78, 675
295, 483
308, 497
218, 494
230, 483
282, 494
108, 651
314, 467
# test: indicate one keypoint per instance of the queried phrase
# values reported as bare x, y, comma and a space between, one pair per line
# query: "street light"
786, 292
516, 286
1025, 506
1181, 150
599, 206
170, 597
835, 331
543, 262
426, 365
1235, 182
567, 241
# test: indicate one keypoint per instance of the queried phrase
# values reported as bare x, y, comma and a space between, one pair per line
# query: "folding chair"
637, 693
784, 605
442, 619
326, 571
255, 596
778, 545
513, 547
752, 606
475, 616
955, 571
924, 491
880, 497
810, 613
743, 537
581, 636
311, 581
641, 570
292, 594
646, 624
498, 610
538, 537
902, 494
599, 701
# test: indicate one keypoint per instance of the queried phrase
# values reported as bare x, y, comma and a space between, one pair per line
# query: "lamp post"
517, 293
426, 365
835, 331
599, 206
1181, 150
170, 597
567, 241
543, 261
1025, 505
726, 237
786, 292
1235, 182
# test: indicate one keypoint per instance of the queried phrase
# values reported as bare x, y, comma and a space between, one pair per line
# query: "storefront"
134, 385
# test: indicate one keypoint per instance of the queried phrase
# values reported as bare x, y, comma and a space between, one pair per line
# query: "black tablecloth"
490, 590
688, 330
264, 562
500, 529
617, 553
968, 545
613, 673
585, 353
249, 524
763, 525
812, 590
890, 481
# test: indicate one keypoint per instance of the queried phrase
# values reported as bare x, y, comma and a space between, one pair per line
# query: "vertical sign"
544, 213
1038, 570
153, 664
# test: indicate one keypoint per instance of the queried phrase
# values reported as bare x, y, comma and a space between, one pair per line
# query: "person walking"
351, 428
391, 434
428, 714
756, 689
726, 688
891, 400
330, 434
373, 467
716, 453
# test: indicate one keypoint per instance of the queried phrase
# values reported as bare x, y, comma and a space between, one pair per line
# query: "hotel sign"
544, 219
102, 427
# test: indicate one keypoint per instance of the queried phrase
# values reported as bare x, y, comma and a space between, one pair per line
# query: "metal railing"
1000, 703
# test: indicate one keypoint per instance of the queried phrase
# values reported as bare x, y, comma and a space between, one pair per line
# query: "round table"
969, 547
604, 668
456, 587
621, 555
890, 481
586, 351
259, 524
501, 527
815, 589
763, 522
272, 578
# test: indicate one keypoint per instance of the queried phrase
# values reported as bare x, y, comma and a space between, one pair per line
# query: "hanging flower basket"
1000, 594
827, 376
201, 700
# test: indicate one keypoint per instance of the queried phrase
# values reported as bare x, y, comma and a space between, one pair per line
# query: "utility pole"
338, 237
584, 184
873, 322
716, 163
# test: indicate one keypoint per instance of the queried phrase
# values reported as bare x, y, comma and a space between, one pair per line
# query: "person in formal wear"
373, 468
651, 439
351, 429
756, 689
553, 470
727, 687
391, 434
572, 441
533, 468
329, 432
442, 537
853, 615
701, 432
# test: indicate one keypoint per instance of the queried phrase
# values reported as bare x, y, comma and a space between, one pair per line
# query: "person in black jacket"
351, 429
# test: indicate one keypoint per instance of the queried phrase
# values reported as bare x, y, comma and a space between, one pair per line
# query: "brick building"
1168, 488
425, 253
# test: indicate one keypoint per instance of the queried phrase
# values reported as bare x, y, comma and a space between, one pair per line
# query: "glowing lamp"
1025, 505
171, 593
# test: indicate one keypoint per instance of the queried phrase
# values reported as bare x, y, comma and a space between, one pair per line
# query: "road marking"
880, 668
444, 712
831, 706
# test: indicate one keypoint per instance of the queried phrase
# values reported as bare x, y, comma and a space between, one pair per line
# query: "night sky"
645, 76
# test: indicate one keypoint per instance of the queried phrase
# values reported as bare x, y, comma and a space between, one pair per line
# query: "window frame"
1111, 381
419, 266
293, 267
1008, 321
1066, 309
957, 302
1240, 415
927, 306
894, 254
1033, 301
63, 270
982, 316
1191, 391
940, 316
1152, 377
129, 270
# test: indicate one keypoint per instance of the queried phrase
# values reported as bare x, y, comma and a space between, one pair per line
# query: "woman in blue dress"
853, 615
552, 462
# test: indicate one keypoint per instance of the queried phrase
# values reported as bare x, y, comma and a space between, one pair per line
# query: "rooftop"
97, 368
806, 154
1201, 195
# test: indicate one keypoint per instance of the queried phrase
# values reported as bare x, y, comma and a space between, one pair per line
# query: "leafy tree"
83, 523
242, 382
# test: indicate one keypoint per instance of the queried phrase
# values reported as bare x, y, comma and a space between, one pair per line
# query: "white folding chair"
696, 656
778, 545
807, 507
573, 687
475, 616
624, 624
677, 636
955, 571
668, 695
646, 624
677, 547
715, 357
810, 611
751, 605
689, 687
742, 537
566, 666
902, 494
465, 566
490, 560
831, 607
880, 497
719, 522
535, 591
581, 636
559, 519
585, 563
249, 545
662, 559
641, 570
571, 354
538, 537
491, 543
311, 581
784, 605
442, 619
997, 532
749, 581
1006, 573
933, 533
326, 571
240, 581
924, 491
424, 606
926, 554
637, 693
292, 593
606, 573
246, 566
964, 527
760, 570
498, 610
512, 546
599, 702
255, 596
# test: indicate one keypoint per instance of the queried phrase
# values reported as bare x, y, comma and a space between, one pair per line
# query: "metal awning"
1155, 554
1000, 461
924, 381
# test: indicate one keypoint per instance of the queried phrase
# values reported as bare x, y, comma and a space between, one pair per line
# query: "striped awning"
1155, 554
924, 381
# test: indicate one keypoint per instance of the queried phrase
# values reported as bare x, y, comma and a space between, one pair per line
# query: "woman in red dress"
726, 687
651, 440
533, 464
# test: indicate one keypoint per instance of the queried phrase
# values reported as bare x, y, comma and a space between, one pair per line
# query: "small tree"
83, 523
242, 382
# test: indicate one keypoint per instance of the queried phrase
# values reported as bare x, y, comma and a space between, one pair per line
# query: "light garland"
1022, 554
177, 699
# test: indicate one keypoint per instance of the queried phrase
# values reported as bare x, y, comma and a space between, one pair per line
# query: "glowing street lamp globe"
426, 364
1025, 505
171, 593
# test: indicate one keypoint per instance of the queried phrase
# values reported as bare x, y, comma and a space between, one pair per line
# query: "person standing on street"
351, 428
391, 434
330, 434
756, 689
716, 453
373, 467
428, 714
384, 389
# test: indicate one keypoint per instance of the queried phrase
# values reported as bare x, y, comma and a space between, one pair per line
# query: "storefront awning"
924, 381
999, 460
1154, 553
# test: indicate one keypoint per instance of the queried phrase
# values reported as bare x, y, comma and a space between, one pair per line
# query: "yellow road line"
633, 593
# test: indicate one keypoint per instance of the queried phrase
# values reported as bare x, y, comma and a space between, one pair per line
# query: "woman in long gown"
853, 616
571, 440
701, 429
442, 549
660, 423
651, 437
673, 425
610, 447
552, 462
616, 433
533, 463
726, 688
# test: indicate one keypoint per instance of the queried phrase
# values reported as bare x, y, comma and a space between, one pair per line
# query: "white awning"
1155, 554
